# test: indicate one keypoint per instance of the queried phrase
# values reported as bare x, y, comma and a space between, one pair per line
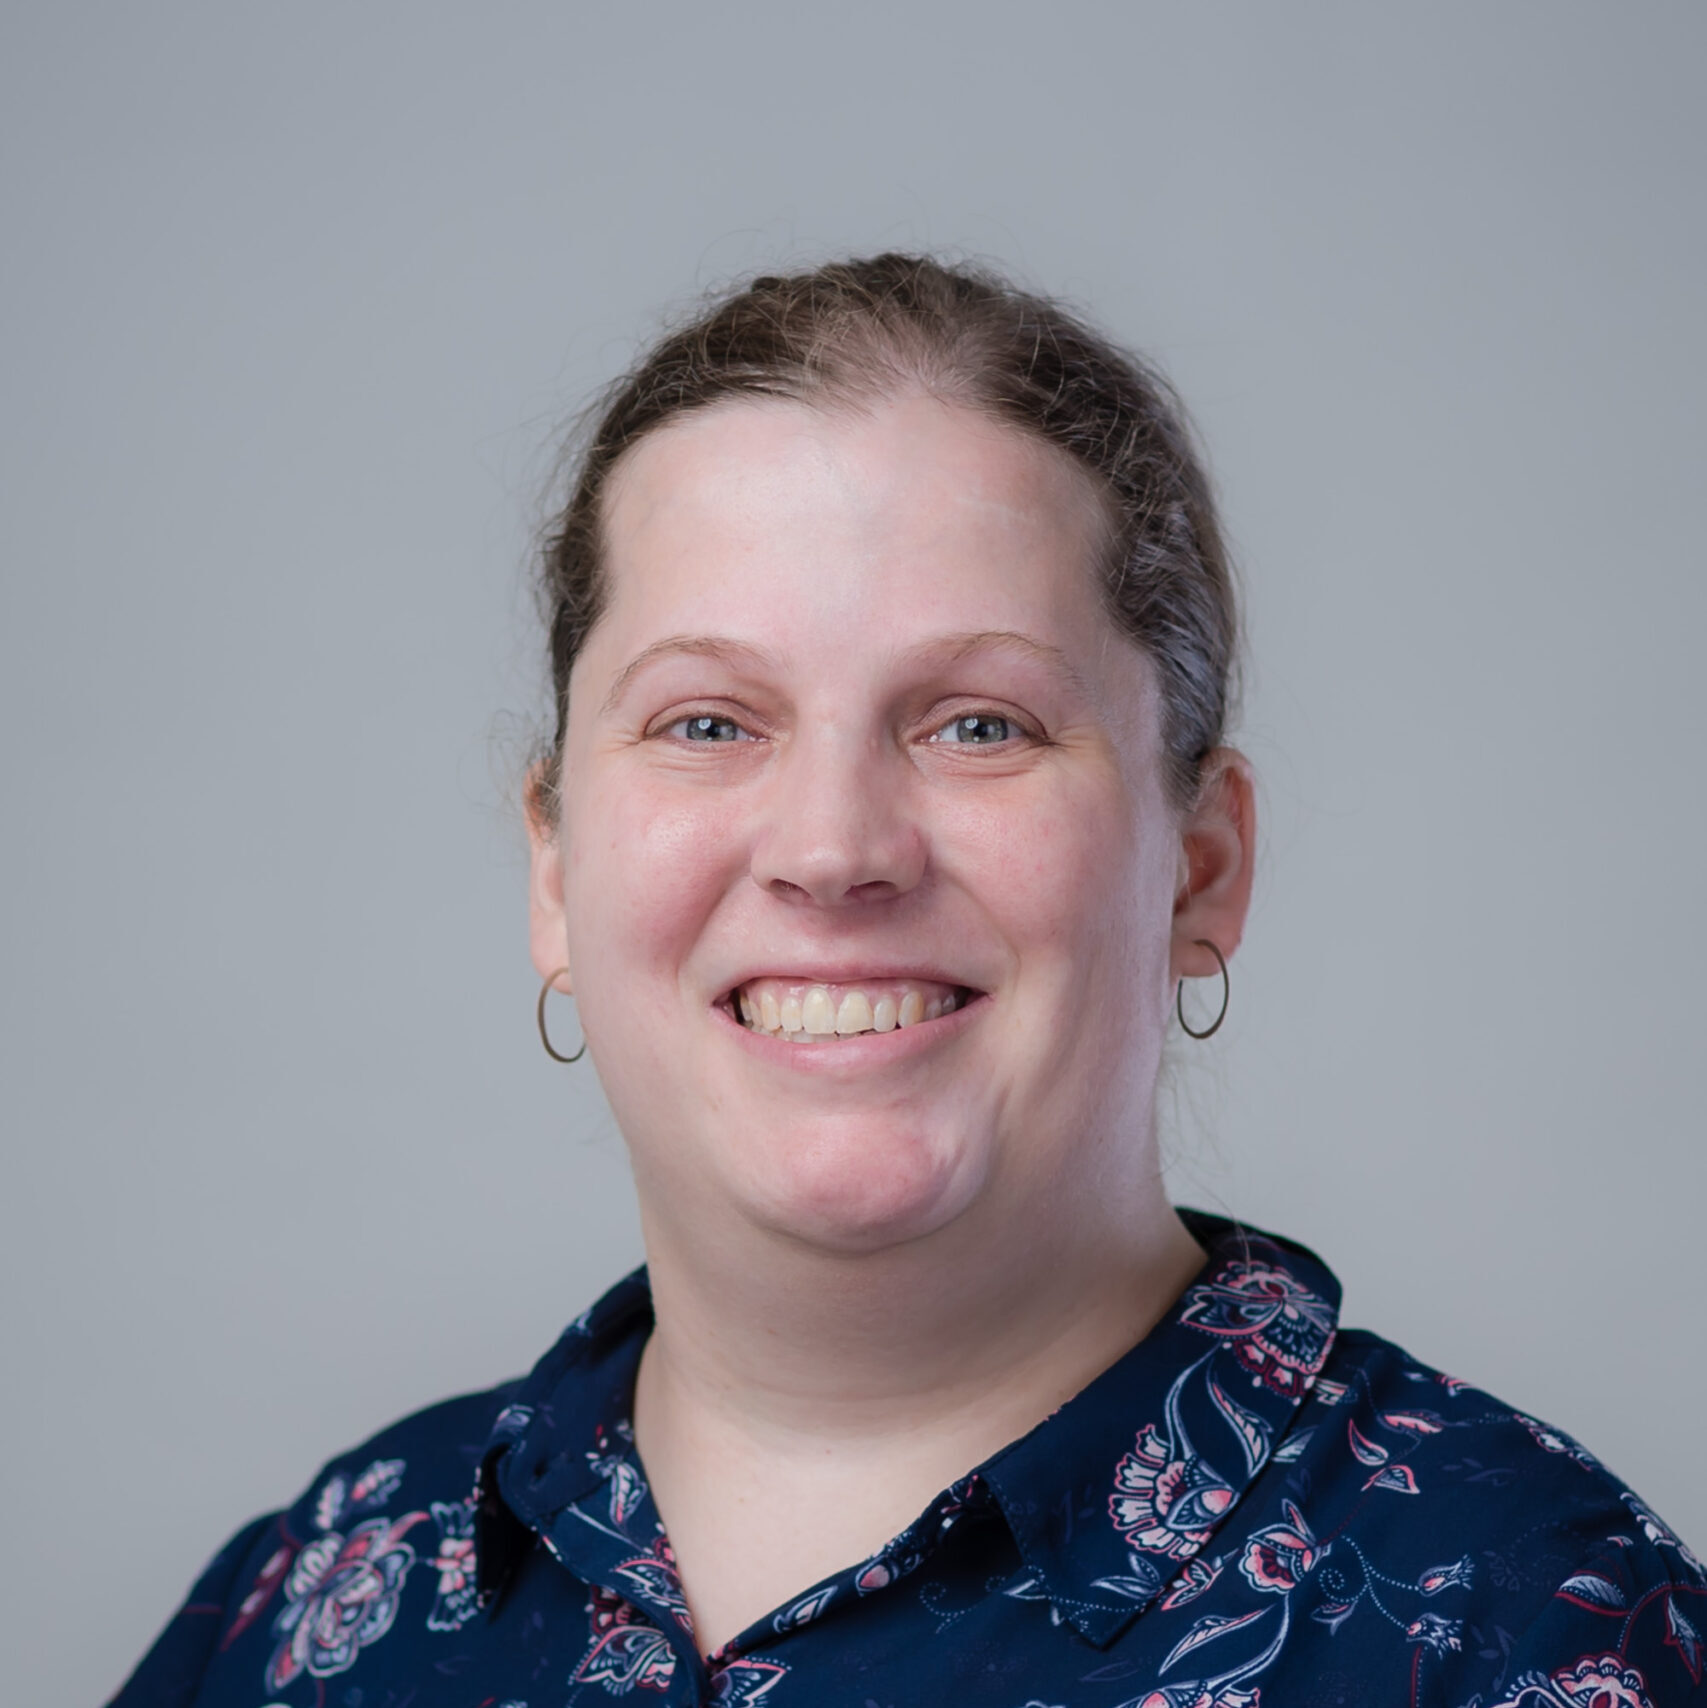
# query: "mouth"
800, 1011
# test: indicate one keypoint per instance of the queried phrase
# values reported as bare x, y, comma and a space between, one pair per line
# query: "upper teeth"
805, 1013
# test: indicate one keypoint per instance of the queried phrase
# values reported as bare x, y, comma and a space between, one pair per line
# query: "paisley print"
454, 1604
1163, 1502
1254, 1508
342, 1594
1280, 1330
627, 1651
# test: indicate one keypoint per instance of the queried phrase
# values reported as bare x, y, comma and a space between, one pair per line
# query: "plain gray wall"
295, 299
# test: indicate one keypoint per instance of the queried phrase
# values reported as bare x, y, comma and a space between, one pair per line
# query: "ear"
548, 934
1218, 840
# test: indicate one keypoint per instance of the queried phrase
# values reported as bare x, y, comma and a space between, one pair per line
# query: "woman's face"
866, 877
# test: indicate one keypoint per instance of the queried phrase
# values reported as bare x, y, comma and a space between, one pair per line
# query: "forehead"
903, 506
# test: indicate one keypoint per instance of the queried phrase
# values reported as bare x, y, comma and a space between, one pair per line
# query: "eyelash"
1012, 728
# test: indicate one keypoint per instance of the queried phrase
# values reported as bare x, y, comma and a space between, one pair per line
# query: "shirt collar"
1108, 1499
1112, 1497
550, 1446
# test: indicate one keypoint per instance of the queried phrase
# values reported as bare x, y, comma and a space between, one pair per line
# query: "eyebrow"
741, 655
957, 647
737, 654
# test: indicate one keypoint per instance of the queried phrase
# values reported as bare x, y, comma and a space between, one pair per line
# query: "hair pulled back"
858, 330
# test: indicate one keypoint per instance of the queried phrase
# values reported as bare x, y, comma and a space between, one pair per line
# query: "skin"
877, 1261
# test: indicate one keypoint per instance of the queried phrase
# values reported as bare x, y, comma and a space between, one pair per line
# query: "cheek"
1080, 870
644, 868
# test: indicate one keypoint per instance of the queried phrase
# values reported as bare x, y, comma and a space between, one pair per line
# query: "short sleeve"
1625, 1629
170, 1674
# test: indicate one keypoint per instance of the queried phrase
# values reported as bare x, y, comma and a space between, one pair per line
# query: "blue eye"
705, 728
979, 729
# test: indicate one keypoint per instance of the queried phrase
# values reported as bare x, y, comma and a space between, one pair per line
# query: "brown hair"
858, 329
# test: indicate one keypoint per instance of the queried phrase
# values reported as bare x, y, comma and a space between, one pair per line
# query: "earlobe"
1214, 1025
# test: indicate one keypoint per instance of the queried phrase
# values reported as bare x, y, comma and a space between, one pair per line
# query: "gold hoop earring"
544, 1036
1226, 993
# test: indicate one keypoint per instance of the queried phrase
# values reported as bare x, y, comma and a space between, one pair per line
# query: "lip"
862, 1052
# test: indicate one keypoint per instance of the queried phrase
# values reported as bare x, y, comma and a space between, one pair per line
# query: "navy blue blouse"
1253, 1506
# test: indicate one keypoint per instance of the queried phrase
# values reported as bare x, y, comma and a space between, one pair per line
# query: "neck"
784, 1340
783, 1379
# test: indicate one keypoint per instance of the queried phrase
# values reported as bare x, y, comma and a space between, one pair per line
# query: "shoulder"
408, 1486
1517, 1547
431, 1454
1512, 1468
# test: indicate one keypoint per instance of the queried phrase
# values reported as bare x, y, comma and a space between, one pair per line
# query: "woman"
887, 811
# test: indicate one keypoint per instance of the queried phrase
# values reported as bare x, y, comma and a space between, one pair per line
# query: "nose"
838, 825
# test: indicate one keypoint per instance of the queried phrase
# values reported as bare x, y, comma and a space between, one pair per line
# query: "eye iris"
979, 728
710, 729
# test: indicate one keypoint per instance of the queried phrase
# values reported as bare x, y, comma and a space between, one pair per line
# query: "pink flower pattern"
1217, 1539
1279, 1558
1162, 1502
1594, 1681
454, 1604
1279, 1329
342, 1594
627, 1651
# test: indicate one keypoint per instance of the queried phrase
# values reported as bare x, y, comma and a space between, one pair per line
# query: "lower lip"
861, 1052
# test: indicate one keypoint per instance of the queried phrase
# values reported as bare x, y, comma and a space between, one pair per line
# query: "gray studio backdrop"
295, 301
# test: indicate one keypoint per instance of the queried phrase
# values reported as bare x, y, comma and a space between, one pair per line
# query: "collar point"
1097, 1623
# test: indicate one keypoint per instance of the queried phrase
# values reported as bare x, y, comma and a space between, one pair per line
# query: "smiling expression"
865, 872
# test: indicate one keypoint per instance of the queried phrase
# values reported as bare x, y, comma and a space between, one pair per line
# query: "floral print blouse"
1254, 1508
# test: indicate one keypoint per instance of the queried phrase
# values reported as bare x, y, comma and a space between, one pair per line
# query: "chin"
859, 1189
